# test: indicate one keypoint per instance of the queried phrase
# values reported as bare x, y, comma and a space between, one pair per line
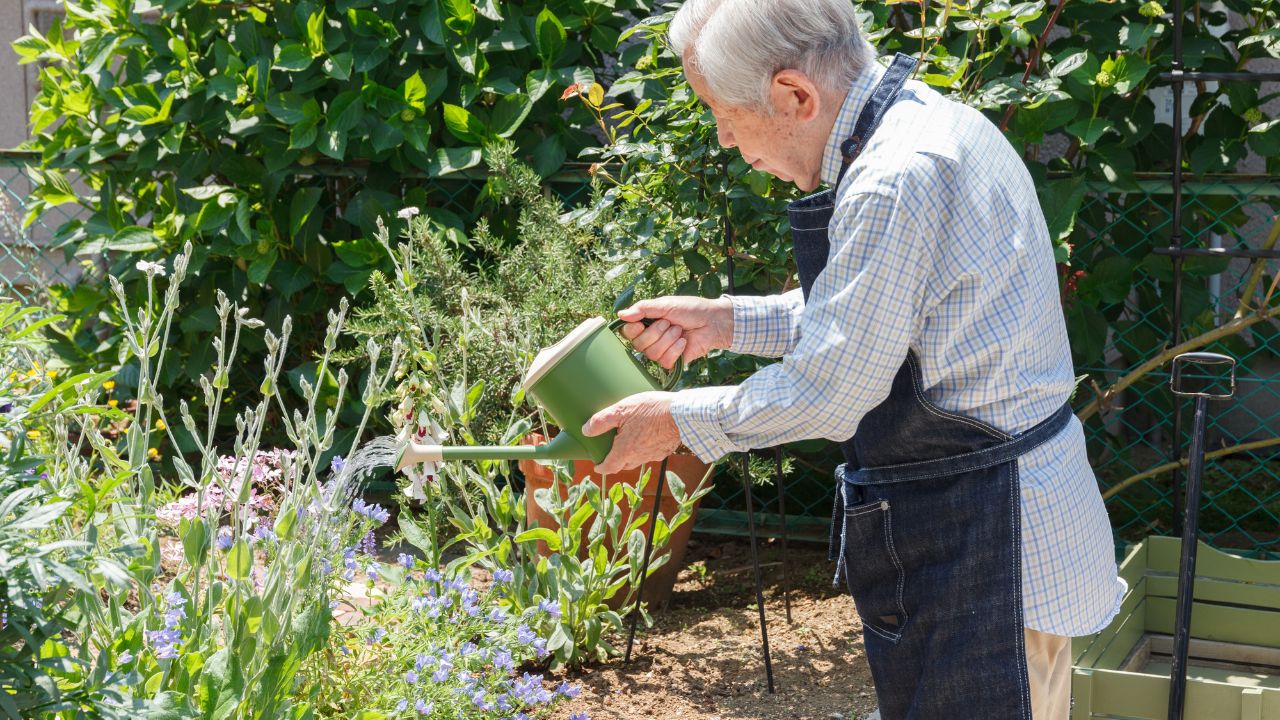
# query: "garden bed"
701, 660
1234, 665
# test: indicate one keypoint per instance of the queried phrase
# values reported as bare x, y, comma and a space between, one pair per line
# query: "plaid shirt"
938, 244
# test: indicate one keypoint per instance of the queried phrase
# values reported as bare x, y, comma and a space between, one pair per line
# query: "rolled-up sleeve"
852, 337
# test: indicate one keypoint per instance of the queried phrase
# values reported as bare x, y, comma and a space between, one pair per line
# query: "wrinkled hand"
646, 430
683, 326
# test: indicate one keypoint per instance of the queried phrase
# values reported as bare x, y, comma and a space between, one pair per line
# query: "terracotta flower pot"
657, 588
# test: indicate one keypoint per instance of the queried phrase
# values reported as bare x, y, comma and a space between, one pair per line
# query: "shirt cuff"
697, 415
765, 325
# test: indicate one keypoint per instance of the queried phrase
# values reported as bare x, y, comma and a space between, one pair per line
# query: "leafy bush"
40, 574
488, 322
275, 134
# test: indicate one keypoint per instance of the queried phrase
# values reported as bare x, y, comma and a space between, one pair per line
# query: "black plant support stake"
746, 474
782, 520
755, 564
644, 566
1191, 521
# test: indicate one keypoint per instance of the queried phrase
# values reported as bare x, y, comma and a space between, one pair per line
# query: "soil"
701, 660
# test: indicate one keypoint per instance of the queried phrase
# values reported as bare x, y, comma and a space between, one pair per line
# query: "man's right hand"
683, 327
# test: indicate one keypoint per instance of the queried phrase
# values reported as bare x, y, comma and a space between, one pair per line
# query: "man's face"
770, 142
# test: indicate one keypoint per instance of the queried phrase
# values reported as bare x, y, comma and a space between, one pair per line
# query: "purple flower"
374, 512
524, 635
433, 575
336, 464
400, 706
376, 637
579, 716
497, 615
405, 560
549, 607
125, 658
440, 675
424, 708
372, 572
502, 660
5, 408
502, 575
264, 533
224, 539
567, 690
411, 677
540, 647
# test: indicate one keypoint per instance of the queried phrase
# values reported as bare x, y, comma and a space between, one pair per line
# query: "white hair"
739, 45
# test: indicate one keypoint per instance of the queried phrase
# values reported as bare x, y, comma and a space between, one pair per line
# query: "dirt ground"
701, 660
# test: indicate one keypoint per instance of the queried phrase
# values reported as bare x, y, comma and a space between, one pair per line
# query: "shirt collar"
854, 101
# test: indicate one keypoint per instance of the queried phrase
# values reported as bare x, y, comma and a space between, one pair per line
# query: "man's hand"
687, 327
646, 431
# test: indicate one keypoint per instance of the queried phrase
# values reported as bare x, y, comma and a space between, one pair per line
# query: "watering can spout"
561, 447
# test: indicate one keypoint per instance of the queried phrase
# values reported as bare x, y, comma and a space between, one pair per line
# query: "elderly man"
926, 338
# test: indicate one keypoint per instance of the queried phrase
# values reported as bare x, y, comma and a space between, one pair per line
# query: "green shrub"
273, 135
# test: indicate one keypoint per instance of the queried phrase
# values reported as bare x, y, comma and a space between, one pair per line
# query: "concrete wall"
13, 78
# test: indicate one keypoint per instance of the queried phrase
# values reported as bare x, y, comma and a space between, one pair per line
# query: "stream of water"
378, 452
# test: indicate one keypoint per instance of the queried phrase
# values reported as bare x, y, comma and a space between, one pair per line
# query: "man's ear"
793, 94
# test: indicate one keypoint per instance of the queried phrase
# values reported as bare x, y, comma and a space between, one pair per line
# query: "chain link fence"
1129, 442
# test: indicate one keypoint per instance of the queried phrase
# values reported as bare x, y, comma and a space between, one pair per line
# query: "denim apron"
926, 525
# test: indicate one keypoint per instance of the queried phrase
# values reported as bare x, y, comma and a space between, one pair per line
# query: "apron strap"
964, 462
882, 97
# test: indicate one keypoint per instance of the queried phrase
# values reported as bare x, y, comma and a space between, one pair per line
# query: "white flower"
407, 213
151, 268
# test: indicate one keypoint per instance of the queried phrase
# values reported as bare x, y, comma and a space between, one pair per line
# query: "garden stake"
782, 518
729, 237
755, 563
1191, 520
644, 566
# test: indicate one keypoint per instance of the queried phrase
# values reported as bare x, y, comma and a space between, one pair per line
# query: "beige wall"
13, 78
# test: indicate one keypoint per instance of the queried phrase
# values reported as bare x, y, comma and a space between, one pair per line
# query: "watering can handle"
673, 377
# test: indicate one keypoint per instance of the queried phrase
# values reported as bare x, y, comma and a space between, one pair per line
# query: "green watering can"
586, 372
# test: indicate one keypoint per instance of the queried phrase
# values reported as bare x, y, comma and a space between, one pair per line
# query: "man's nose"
725, 137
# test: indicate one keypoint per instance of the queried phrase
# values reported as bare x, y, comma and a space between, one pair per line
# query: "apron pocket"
872, 569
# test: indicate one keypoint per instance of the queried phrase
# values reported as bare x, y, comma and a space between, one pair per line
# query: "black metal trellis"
1177, 249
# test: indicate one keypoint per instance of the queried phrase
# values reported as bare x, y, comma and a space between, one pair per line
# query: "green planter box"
1234, 666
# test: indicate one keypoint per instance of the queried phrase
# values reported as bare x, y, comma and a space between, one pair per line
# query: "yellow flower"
52, 374
109, 385
160, 425
112, 402
153, 454
33, 434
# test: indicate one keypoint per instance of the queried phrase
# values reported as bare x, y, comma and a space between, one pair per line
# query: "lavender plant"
223, 634
435, 647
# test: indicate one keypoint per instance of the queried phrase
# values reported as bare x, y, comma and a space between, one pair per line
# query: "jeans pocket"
873, 570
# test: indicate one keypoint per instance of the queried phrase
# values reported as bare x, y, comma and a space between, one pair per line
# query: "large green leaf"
508, 113
304, 201
463, 125
551, 36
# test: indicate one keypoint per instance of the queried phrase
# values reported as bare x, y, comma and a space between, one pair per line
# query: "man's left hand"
646, 430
